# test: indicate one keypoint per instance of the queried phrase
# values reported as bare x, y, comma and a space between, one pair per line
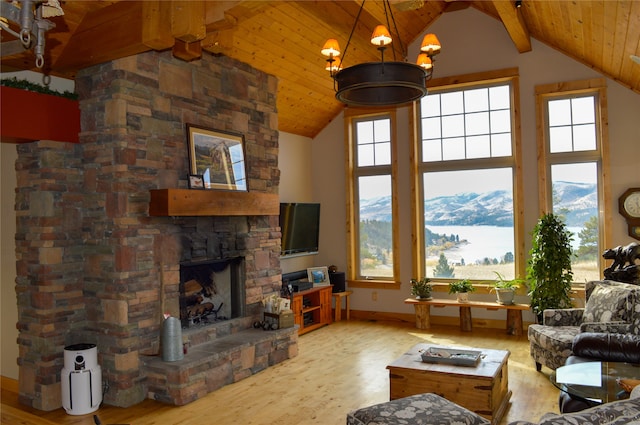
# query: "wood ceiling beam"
512, 19
454, 6
222, 18
218, 42
156, 26
188, 28
106, 34
187, 20
187, 51
141, 26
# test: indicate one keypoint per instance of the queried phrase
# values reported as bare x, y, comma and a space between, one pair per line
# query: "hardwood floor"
339, 368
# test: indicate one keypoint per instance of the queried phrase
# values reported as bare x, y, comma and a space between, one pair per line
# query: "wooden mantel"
194, 202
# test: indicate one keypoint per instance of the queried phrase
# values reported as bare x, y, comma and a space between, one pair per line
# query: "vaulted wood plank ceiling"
283, 38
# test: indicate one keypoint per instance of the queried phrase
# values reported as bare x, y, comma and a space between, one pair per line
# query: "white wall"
486, 48
294, 161
8, 302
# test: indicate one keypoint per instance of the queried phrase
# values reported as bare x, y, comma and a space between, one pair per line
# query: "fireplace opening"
211, 291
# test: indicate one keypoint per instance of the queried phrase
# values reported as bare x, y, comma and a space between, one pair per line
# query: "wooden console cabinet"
312, 308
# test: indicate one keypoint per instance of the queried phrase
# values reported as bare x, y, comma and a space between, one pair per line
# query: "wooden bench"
338, 296
423, 313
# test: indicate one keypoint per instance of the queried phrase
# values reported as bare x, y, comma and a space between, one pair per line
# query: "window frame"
463, 82
567, 90
351, 117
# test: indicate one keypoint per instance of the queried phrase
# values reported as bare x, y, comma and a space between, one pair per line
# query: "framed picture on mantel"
196, 181
217, 156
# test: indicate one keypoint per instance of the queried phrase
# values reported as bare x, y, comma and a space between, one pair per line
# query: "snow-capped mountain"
577, 202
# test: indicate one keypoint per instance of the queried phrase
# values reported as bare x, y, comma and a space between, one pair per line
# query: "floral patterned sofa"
431, 409
610, 307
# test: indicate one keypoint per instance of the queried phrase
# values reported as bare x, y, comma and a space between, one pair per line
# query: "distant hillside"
470, 209
577, 202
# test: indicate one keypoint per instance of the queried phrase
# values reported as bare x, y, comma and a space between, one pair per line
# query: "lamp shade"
381, 36
331, 48
430, 44
334, 66
424, 61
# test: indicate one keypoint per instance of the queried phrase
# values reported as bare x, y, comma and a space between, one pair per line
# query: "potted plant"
549, 265
505, 289
461, 288
421, 288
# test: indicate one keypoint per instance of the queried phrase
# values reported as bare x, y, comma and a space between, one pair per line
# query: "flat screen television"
300, 227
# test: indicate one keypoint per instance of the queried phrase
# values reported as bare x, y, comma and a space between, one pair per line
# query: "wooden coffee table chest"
483, 388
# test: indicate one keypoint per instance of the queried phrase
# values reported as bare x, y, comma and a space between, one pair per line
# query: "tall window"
468, 180
572, 147
373, 240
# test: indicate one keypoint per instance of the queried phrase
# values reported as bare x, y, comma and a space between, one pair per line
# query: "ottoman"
415, 410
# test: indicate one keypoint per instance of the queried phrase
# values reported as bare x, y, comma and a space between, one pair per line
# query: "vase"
463, 297
172, 349
505, 296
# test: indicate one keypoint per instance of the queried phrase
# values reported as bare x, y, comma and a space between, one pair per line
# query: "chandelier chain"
394, 26
352, 31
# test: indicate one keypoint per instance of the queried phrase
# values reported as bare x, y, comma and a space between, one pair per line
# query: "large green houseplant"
549, 265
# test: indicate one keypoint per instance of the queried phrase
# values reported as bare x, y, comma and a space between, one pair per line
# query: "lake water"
484, 241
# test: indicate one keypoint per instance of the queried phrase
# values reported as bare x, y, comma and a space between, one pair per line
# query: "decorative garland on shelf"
37, 88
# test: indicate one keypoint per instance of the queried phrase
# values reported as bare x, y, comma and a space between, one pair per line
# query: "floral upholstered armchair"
610, 307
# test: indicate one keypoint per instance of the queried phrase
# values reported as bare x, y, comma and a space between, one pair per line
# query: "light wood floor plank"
340, 367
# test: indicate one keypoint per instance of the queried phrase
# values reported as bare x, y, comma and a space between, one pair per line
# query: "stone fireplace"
94, 265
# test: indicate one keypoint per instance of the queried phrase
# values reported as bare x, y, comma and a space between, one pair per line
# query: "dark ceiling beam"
455, 5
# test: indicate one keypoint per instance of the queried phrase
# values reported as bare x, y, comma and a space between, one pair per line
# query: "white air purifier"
81, 379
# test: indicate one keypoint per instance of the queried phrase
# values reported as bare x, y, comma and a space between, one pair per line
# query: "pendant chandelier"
28, 16
381, 83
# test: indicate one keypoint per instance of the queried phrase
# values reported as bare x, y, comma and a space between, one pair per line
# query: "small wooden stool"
339, 296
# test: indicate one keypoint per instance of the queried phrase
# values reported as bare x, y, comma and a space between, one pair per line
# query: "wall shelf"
27, 116
194, 202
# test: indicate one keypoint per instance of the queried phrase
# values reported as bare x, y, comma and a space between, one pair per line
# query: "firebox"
211, 291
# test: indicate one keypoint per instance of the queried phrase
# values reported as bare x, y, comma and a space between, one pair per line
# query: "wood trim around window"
350, 115
461, 82
596, 86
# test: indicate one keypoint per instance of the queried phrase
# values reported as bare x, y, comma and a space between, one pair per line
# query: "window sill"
370, 283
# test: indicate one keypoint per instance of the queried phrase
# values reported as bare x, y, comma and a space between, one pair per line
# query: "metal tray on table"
454, 356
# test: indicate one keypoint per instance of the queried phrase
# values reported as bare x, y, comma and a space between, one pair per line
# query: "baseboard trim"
435, 320
9, 384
